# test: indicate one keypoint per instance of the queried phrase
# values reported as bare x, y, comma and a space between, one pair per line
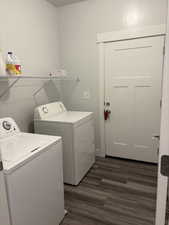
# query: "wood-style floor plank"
114, 192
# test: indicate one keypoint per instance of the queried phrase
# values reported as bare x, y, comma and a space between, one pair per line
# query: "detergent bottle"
2, 65
10, 67
13, 64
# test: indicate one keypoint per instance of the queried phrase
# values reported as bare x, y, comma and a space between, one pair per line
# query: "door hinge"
160, 103
165, 165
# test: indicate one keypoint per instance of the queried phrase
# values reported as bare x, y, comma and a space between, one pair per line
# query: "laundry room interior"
84, 113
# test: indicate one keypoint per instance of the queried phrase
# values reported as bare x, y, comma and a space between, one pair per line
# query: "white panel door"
133, 70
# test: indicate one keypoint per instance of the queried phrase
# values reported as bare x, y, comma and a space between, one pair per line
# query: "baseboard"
99, 153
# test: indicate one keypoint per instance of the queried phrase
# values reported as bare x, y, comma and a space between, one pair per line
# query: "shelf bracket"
34, 94
9, 87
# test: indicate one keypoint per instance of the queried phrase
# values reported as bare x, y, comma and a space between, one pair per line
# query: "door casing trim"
147, 31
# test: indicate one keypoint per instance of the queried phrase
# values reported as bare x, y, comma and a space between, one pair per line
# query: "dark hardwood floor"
114, 192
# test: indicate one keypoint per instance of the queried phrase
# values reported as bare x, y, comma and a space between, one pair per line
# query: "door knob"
107, 104
156, 137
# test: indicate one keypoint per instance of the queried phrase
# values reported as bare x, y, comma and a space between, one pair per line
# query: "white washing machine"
4, 211
77, 131
32, 177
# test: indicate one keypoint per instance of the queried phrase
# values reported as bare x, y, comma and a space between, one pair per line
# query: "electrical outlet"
86, 95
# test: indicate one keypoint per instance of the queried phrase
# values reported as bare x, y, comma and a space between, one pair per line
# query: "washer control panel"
8, 126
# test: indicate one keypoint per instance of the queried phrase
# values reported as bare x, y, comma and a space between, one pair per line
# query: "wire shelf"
8, 77
16, 78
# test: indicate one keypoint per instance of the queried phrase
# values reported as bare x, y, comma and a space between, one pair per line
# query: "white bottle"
2, 65
10, 64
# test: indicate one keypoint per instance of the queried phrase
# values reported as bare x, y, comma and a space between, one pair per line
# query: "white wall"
78, 25
29, 29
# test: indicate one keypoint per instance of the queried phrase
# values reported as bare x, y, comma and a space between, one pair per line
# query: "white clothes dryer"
77, 130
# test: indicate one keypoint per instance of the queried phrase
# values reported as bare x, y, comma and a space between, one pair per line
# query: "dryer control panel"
7, 127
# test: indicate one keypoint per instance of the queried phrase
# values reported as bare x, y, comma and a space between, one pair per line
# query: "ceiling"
63, 2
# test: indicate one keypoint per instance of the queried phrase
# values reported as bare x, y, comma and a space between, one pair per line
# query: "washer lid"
17, 148
70, 117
